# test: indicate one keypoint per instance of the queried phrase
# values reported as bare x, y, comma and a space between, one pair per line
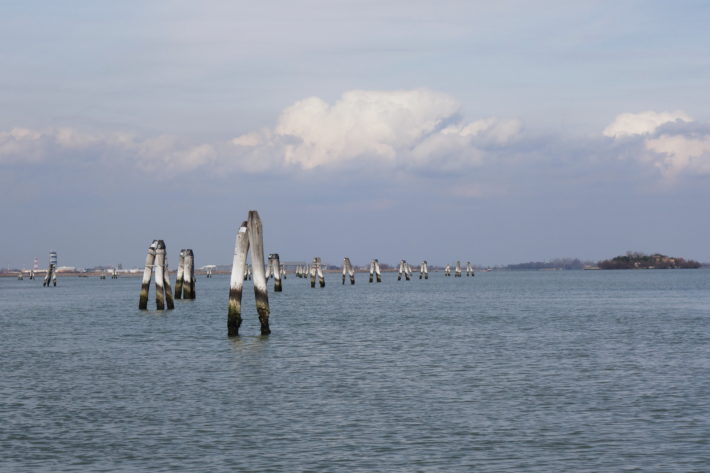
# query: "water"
578, 371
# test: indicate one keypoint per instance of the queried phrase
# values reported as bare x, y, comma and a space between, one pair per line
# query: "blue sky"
439, 130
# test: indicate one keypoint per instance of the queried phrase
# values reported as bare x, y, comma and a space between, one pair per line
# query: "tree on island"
638, 260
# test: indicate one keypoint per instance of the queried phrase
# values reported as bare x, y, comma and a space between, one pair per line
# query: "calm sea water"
579, 371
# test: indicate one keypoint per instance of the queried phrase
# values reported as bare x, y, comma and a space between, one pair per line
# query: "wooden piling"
147, 273
166, 282
469, 269
447, 270
180, 277
276, 270
188, 284
313, 272
372, 270
160, 275
401, 270
457, 273
236, 283
321, 277
348, 269
256, 241
378, 275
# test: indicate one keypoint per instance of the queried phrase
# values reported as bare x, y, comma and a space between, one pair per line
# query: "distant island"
637, 260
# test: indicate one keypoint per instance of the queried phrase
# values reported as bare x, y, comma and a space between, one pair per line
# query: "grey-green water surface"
579, 371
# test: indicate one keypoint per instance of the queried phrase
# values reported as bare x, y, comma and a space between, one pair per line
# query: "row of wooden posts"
249, 240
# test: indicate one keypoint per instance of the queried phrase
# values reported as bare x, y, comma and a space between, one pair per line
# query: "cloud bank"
420, 131
671, 142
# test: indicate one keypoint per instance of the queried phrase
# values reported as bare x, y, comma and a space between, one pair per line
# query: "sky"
495, 132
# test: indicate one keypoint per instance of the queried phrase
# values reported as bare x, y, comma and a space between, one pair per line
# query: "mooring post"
147, 273
401, 270
372, 270
256, 241
313, 272
160, 276
188, 285
378, 275
179, 278
426, 269
469, 269
447, 270
51, 276
166, 283
236, 283
457, 273
321, 277
276, 269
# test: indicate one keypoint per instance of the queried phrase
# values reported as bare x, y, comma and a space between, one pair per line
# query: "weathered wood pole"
313, 271
276, 270
236, 282
54, 278
348, 269
114, 273
372, 270
407, 271
160, 275
166, 283
32, 273
256, 242
269, 269
447, 270
321, 277
188, 285
147, 273
457, 273
283, 272
180, 277
21, 275
378, 275
401, 270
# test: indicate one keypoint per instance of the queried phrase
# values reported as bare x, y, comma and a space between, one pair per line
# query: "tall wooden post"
378, 275
348, 269
160, 275
313, 272
276, 269
166, 282
372, 269
236, 283
179, 278
147, 273
256, 240
457, 273
188, 285
447, 270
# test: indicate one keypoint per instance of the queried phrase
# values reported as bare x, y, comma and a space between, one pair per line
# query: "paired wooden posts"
317, 270
457, 271
275, 271
21, 275
424, 270
185, 280
403, 269
447, 270
156, 261
51, 277
469, 269
375, 270
114, 273
249, 237
348, 268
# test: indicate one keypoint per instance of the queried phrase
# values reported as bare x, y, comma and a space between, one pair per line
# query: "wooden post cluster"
424, 270
348, 269
405, 269
156, 261
317, 270
469, 269
447, 270
457, 271
185, 280
375, 270
51, 276
21, 275
249, 237
114, 273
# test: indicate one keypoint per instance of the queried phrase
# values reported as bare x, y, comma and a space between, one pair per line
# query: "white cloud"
679, 153
410, 127
644, 123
